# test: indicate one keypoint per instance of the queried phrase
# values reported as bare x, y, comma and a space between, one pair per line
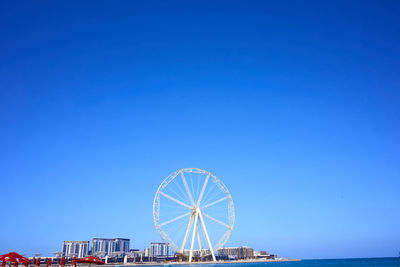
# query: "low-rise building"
200, 253
246, 253
236, 253
264, 255
147, 252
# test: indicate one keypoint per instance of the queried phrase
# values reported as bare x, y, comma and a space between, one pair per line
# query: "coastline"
202, 262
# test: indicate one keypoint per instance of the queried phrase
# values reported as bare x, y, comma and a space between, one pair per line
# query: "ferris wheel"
193, 204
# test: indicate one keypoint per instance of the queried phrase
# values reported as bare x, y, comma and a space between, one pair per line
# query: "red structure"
62, 262
91, 260
13, 257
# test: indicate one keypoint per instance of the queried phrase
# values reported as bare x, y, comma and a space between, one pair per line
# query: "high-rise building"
102, 247
78, 249
121, 245
114, 247
159, 249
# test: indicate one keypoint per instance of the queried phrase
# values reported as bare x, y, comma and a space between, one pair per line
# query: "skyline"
294, 106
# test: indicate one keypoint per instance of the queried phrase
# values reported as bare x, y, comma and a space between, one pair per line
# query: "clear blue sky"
293, 104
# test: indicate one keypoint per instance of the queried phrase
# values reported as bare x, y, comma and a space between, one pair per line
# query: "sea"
320, 263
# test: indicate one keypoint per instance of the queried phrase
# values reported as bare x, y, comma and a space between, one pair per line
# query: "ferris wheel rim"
231, 210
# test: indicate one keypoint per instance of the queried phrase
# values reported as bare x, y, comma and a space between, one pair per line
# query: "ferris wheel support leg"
193, 236
198, 237
206, 234
187, 233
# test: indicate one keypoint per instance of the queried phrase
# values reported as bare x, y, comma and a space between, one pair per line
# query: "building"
147, 252
265, 255
102, 247
261, 254
136, 253
236, 253
58, 254
159, 249
79, 249
200, 253
245, 253
112, 247
228, 253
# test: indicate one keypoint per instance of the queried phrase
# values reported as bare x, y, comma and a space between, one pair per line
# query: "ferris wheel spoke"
175, 200
175, 219
187, 188
215, 202
177, 193
217, 221
202, 190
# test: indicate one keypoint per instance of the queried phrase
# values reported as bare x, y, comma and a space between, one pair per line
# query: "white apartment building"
79, 249
113, 247
159, 249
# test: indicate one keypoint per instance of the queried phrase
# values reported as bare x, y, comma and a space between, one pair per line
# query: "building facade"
159, 249
79, 249
112, 247
245, 253
236, 253
147, 252
261, 254
201, 253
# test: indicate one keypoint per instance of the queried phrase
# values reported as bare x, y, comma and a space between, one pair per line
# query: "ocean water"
320, 263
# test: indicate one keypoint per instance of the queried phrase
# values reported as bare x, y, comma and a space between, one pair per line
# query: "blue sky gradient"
294, 105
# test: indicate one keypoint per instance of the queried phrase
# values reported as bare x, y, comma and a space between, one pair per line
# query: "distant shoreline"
201, 262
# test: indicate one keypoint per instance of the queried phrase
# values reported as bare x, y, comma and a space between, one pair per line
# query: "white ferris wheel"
193, 204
